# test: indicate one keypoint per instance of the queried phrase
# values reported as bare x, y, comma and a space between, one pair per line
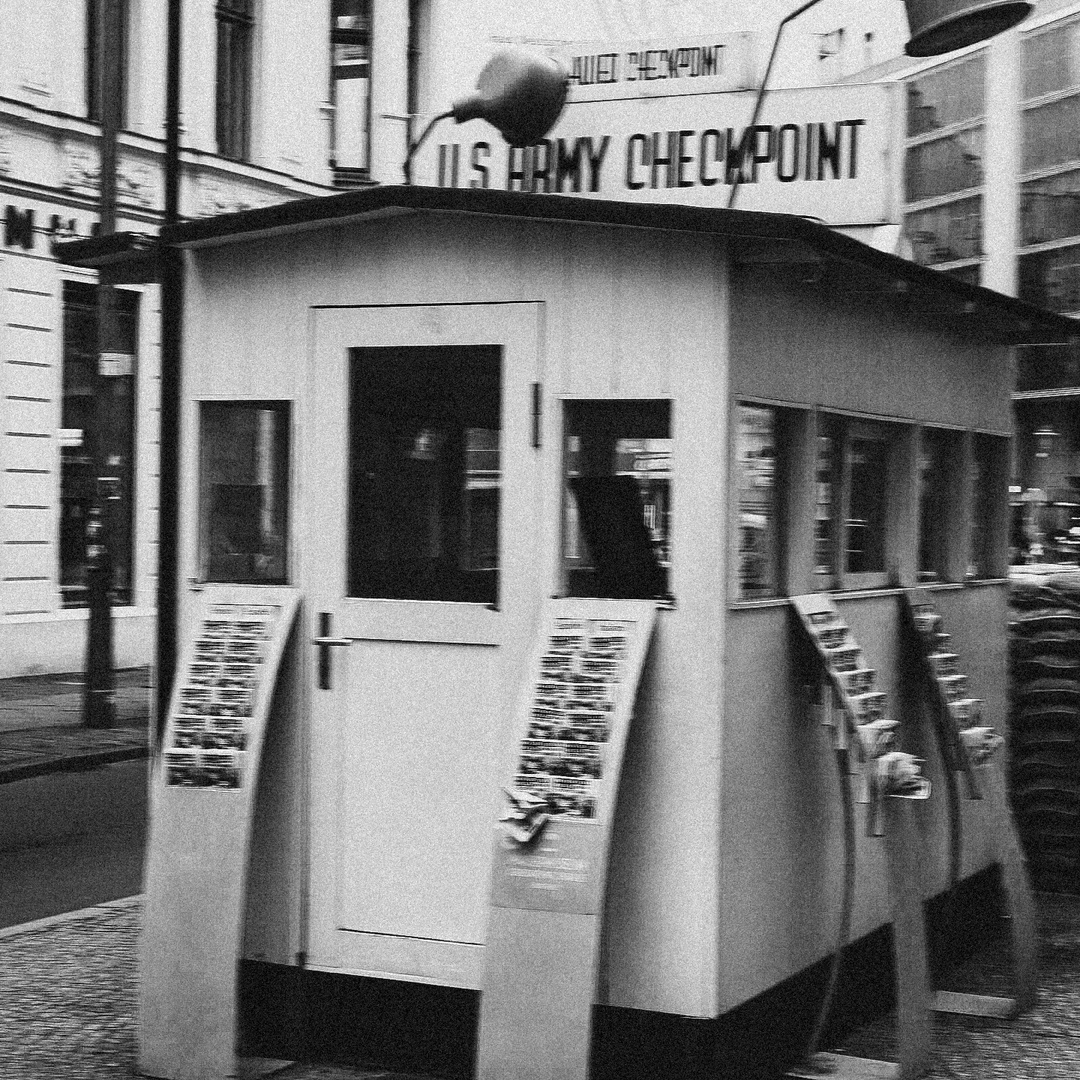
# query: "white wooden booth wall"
617, 313
725, 857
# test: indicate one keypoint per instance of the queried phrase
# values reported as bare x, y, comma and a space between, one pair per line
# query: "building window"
80, 420
350, 87
758, 435
424, 473
943, 167
1049, 260
94, 58
235, 40
244, 491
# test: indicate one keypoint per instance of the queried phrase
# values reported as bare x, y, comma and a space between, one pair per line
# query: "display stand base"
255, 1068
1019, 905
952, 1001
843, 1067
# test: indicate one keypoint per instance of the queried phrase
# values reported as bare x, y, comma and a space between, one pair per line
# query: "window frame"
283, 469
235, 24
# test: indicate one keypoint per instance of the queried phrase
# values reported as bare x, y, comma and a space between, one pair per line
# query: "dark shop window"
80, 419
617, 523
232, 113
244, 491
424, 473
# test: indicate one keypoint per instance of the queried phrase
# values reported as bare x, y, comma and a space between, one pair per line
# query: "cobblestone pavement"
67, 1008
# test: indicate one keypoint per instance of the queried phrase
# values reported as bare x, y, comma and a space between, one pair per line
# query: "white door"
420, 498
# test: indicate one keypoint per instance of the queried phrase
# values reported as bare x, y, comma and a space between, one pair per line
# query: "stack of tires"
1044, 759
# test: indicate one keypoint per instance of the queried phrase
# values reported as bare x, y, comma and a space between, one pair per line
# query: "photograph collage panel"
208, 739
561, 758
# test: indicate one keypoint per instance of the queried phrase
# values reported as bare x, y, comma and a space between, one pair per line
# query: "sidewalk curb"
116, 907
91, 759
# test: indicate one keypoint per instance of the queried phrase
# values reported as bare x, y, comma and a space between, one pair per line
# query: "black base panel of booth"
291, 1013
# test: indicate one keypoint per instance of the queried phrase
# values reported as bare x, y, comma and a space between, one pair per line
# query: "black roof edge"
1033, 323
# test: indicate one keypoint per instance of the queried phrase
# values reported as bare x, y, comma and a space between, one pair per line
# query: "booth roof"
974, 308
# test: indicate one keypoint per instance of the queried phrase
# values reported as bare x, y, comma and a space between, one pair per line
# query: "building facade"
278, 101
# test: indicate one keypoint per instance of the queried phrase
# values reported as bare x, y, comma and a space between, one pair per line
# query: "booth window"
854, 460
79, 417
939, 451
424, 473
989, 500
617, 526
759, 456
244, 491
232, 112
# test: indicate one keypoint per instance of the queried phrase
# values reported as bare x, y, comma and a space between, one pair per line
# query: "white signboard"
822, 152
681, 65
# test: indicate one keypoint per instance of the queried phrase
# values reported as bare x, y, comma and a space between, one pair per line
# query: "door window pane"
424, 473
244, 491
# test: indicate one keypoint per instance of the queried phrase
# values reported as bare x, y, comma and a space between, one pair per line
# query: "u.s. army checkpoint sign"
673, 125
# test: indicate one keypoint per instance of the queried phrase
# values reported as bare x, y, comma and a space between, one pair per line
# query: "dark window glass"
1051, 279
1051, 134
235, 33
942, 166
989, 483
424, 473
867, 504
617, 468
1050, 208
94, 59
826, 518
350, 48
949, 96
80, 419
244, 491
946, 233
1052, 61
938, 453
1042, 367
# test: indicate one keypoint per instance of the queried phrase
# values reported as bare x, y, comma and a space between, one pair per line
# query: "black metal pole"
171, 315
99, 683
763, 89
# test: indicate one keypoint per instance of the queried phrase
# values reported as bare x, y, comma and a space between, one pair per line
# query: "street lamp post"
112, 361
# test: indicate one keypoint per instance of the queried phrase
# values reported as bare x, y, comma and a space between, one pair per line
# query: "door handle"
325, 642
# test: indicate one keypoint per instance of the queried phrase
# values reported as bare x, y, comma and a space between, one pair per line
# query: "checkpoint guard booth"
428, 418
